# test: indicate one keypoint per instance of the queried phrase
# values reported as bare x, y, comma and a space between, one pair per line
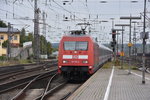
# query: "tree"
49, 48
4, 44
43, 44
45, 47
24, 38
2, 24
30, 37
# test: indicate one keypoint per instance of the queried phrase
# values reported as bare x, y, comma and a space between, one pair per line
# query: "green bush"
2, 58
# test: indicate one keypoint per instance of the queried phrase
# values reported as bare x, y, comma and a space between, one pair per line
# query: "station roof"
12, 30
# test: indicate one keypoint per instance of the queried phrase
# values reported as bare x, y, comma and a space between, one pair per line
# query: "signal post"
113, 43
130, 44
122, 47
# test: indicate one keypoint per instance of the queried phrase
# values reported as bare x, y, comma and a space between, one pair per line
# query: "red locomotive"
79, 56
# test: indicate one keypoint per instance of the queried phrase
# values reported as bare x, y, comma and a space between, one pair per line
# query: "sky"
20, 13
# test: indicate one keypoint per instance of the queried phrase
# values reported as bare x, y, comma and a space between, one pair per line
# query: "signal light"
113, 49
113, 31
85, 62
113, 43
113, 34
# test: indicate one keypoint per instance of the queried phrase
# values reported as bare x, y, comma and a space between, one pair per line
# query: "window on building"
15, 37
10, 37
1, 37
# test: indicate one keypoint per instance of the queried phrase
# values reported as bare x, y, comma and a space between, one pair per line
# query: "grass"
126, 66
15, 62
4, 63
107, 65
25, 61
117, 65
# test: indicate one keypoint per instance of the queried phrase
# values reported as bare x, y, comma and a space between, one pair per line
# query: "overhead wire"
86, 5
65, 9
30, 3
14, 14
72, 13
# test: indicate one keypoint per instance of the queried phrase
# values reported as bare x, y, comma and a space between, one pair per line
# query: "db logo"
75, 56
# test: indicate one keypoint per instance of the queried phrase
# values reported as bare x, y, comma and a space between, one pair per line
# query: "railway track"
12, 85
40, 86
15, 68
13, 89
49, 88
54, 85
23, 93
12, 80
13, 75
59, 90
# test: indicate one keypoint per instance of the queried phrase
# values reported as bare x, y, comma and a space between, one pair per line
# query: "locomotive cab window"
81, 45
75, 45
69, 45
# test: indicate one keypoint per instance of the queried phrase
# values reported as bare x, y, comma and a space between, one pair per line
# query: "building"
14, 36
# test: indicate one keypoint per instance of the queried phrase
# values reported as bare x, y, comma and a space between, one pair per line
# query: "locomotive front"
75, 56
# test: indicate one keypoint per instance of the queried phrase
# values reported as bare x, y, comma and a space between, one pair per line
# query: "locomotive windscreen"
75, 45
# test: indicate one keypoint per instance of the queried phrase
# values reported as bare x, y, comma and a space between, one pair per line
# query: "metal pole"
144, 43
135, 47
112, 23
130, 48
36, 32
134, 39
114, 41
44, 30
8, 45
117, 43
122, 49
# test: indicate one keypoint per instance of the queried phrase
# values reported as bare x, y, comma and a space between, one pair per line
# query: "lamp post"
122, 47
130, 44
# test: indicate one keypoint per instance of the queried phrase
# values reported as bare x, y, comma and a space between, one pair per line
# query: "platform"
114, 84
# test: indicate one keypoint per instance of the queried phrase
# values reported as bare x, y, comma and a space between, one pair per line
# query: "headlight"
59, 66
90, 67
85, 62
64, 61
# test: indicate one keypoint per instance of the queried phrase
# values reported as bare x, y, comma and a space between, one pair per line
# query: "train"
79, 56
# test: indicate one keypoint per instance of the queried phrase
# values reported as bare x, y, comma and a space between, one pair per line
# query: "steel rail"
50, 81
23, 82
6, 73
41, 76
46, 92
24, 65
12, 75
70, 93
50, 91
